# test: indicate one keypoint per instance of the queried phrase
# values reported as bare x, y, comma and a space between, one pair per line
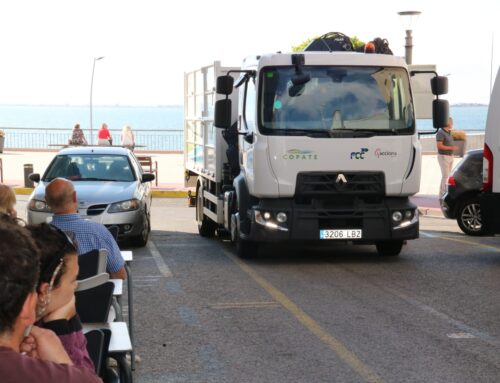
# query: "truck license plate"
340, 234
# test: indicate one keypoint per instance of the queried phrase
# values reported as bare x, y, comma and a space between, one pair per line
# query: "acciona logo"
385, 153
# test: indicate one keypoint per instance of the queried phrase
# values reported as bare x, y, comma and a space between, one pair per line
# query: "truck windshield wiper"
303, 132
352, 133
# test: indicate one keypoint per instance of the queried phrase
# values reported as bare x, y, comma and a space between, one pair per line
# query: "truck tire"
389, 248
206, 227
246, 249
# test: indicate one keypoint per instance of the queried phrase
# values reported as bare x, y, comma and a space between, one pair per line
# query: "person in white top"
128, 139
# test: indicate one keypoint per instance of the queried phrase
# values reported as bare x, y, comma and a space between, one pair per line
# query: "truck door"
247, 126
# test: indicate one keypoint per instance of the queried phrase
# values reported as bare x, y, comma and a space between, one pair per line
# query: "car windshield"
336, 101
90, 167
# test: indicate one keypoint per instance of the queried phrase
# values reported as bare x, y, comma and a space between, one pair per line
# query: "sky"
48, 47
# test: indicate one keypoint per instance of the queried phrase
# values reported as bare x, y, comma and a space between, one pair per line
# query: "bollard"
28, 169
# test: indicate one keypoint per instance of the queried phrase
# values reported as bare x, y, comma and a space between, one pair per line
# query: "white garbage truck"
309, 146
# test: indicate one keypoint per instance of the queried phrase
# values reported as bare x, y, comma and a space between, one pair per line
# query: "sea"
150, 121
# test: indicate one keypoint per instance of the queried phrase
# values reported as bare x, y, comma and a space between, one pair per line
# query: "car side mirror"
147, 177
35, 177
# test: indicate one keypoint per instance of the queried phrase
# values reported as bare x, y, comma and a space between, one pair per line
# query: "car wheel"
206, 227
389, 248
142, 239
469, 217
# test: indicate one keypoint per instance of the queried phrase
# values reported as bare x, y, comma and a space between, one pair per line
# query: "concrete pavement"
171, 174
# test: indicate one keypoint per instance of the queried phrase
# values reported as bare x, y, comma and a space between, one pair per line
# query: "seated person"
7, 201
47, 361
62, 199
56, 291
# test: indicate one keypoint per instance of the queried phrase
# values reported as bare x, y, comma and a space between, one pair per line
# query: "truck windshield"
336, 101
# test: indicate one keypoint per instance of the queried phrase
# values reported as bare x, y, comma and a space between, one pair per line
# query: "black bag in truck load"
330, 42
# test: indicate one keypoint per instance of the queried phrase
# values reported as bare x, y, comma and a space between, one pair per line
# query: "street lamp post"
409, 18
91, 86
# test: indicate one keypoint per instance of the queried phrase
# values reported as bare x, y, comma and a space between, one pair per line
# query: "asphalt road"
337, 314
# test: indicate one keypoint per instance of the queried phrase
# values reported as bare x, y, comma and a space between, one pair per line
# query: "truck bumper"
304, 223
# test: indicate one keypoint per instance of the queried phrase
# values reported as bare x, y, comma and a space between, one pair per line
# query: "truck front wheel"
389, 248
244, 249
206, 227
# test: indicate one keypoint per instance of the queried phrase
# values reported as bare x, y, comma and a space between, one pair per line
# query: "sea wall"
473, 141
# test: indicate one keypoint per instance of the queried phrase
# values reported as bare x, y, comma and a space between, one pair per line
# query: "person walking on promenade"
128, 139
61, 197
7, 201
445, 147
104, 137
77, 137
47, 361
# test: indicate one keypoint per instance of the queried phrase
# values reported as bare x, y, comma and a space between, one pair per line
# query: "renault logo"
341, 180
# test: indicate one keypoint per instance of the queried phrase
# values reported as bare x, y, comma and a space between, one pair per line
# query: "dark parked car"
460, 201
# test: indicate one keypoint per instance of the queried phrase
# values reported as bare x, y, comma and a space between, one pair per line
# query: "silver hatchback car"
110, 185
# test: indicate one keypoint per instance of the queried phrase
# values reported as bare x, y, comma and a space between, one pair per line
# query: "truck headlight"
397, 216
281, 217
129, 205
39, 205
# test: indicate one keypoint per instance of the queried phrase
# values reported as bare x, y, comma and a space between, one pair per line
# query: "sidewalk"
170, 170
171, 175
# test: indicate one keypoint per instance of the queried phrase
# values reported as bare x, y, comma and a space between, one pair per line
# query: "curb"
430, 212
154, 193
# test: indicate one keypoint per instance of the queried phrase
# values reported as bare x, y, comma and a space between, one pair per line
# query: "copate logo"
384, 153
297, 154
359, 155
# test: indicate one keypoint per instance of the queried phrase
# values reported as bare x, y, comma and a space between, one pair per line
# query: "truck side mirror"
225, 85
222, 112
439, 85
440, 113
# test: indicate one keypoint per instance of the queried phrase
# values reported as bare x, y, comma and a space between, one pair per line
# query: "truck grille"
323, 184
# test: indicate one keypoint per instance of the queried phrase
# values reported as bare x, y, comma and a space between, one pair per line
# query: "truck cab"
320, 146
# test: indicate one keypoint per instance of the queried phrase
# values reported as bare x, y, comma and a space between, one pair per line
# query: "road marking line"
446, 318
243, 305
160, 263
472, 243
334, 344
428, 235
460, 335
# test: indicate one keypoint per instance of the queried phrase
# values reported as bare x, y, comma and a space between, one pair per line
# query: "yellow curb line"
170, 193
155, 193
23, 190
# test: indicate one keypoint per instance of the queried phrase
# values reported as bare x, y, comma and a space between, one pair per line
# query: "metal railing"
33, 138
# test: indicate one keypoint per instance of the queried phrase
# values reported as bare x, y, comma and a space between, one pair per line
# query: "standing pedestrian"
446, 147
104, 136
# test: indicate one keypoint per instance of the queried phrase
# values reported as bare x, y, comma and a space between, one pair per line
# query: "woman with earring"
56, 291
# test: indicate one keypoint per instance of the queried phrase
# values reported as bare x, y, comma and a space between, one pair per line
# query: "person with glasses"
60, 195
47, 361
56, 286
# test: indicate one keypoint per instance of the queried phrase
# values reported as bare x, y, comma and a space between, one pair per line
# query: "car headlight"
39, 205
129, 205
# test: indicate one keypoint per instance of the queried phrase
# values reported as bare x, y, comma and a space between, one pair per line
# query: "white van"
490, 197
